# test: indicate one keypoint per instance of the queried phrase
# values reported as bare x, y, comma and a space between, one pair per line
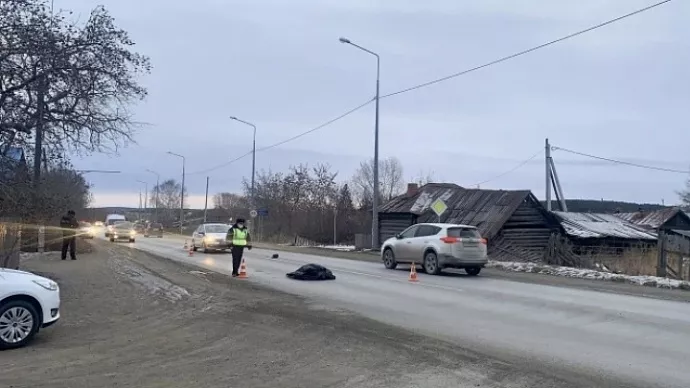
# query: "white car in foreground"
28, 303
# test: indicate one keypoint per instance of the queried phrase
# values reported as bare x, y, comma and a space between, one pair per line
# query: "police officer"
69, 225
238, 238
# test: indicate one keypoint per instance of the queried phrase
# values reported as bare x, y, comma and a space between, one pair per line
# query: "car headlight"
132, 232
47, 284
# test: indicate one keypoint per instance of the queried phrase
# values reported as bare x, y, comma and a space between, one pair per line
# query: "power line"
512, 56
621, 162
511, 170
327, 123
497, 61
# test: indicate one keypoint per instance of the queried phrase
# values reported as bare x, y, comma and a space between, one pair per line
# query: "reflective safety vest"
239, 237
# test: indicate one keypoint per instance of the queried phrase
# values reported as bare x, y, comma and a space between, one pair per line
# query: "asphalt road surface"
632, 340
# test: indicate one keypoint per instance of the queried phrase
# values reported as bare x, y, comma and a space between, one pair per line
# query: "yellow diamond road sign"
439, 207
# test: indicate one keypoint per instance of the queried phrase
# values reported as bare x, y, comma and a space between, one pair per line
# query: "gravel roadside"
133, 320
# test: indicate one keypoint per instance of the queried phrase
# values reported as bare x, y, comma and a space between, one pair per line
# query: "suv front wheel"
389, 259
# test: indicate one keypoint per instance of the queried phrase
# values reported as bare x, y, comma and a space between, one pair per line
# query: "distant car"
154, 229
210, 237
86, 230
28, 303
123, 231
98, 224
110, 221
139, 228
437, 246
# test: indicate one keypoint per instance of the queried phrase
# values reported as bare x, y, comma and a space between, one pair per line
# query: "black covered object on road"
311, 272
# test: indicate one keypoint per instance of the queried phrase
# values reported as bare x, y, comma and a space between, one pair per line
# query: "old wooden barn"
515, 224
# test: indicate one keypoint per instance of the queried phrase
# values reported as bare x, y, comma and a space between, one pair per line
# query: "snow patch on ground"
343, 248
650, 281
150, 281
33, 255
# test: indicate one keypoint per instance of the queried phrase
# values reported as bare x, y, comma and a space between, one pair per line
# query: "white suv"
27, 303
437, 246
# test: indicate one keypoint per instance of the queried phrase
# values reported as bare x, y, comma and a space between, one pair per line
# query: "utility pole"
206, 200
158, 178
547, 152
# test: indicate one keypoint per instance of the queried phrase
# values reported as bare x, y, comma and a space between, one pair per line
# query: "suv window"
427, 230
409, 232
156, 226
463, 233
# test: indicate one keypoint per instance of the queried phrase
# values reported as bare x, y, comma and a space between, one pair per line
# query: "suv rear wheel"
431, 263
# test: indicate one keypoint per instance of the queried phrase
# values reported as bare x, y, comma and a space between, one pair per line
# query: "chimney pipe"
412, 189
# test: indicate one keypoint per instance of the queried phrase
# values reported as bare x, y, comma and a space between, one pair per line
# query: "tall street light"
158, 181
182, 192
253, 156
375, 200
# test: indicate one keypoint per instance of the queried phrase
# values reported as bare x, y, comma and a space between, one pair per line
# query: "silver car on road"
437, 246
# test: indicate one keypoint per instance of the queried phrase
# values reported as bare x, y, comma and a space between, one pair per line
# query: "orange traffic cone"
413, 273
191, 252
243, 270
185, 247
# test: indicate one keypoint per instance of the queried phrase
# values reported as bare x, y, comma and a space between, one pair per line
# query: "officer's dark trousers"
236, 258
71, 243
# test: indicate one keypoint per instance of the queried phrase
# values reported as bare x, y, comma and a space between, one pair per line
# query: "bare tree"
390, 180
168, 194
75, 82
423, 178
229, 201
305, 202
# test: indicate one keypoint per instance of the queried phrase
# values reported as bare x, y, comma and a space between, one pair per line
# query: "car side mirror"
399, 236
201, 233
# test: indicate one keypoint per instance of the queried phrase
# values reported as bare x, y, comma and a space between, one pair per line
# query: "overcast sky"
618, 92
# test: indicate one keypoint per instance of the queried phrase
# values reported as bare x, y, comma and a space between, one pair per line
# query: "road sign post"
439, 207
253, 214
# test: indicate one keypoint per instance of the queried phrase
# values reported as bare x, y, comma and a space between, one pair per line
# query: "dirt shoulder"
134, 320
495, 273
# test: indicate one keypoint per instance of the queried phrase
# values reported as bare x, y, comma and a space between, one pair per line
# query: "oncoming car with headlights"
123, 231
28, 303
86, 230
210, 237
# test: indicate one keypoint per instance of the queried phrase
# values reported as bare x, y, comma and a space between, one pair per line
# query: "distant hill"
599, 206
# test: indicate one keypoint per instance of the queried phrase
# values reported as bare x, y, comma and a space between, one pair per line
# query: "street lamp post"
182, 191
253, 156
158, 179
375, 200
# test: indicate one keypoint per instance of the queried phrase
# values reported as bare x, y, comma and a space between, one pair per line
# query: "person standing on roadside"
238, 238
69, 225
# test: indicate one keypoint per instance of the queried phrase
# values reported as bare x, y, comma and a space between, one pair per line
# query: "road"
638, 341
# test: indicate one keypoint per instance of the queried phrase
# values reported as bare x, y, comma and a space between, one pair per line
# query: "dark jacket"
69, 225
231, 233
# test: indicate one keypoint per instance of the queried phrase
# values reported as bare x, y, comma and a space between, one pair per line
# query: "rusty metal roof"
650, 219
598, 225
488, 210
